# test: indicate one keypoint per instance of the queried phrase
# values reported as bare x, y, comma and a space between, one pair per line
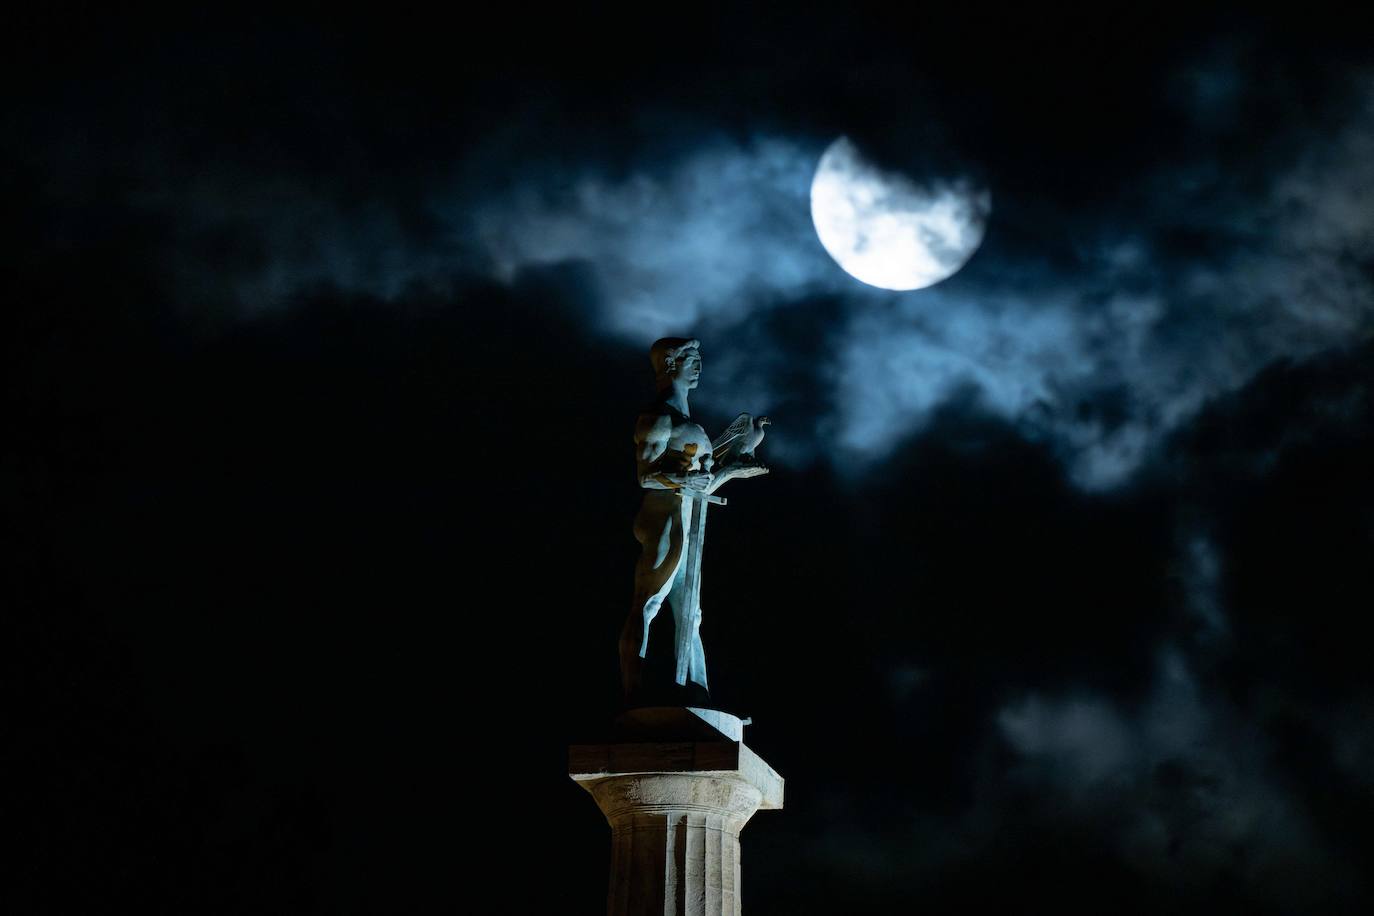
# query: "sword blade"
696, 537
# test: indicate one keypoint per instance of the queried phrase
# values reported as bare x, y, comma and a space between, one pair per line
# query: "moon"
888, 231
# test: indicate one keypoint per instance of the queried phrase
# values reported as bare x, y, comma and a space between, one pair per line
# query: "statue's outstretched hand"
697, 480
737, 472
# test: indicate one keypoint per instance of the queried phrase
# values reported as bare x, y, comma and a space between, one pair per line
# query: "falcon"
736, 445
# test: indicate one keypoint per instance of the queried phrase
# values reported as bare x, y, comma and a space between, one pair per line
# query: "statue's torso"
691, 446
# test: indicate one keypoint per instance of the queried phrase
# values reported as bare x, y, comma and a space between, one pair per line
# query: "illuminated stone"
676, 808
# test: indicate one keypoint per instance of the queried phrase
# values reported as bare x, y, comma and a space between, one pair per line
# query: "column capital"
676, 808
698, 767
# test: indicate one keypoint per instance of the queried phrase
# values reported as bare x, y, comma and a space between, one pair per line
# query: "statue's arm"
736, 472
651, 442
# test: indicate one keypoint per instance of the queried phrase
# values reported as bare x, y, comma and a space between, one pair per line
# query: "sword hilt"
697, 494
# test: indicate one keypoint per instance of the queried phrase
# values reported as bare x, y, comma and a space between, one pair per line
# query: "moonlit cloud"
1204, 271
703, 242
1100, 362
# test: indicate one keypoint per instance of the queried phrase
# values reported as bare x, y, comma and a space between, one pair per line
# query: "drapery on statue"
675, 462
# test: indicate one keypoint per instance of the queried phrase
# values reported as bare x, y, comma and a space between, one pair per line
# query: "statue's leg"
659, 531
651, 608
634, 635
666, 568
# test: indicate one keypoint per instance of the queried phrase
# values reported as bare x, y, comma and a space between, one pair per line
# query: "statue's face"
689, 367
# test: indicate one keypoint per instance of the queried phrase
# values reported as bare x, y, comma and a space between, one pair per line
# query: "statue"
680, 469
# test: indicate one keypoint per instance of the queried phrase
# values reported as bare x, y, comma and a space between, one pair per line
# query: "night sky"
324, 338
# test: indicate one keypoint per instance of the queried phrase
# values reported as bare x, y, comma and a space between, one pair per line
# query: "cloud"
1081, 742
1203, 277
1182, 784
1098, 330
1203, 743
708, 239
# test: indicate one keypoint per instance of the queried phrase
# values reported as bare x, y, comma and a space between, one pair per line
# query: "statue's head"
674, 358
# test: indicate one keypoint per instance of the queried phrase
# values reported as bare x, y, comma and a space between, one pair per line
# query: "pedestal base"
676, 809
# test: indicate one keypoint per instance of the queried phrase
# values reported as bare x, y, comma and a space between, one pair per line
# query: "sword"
696, 502
696, 536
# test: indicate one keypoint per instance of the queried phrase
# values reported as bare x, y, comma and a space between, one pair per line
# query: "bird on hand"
736, 445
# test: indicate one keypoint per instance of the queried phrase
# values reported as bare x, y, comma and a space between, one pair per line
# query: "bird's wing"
741, 425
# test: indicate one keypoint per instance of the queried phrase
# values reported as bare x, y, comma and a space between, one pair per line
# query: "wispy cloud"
1183, 780
722, 232
1182, 284
1202, 281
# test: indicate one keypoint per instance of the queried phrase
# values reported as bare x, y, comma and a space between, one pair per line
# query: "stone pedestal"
677, 791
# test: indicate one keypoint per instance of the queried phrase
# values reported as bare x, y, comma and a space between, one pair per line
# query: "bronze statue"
676, 464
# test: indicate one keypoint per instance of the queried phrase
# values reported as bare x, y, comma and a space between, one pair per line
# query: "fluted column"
675, 841
676, 810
